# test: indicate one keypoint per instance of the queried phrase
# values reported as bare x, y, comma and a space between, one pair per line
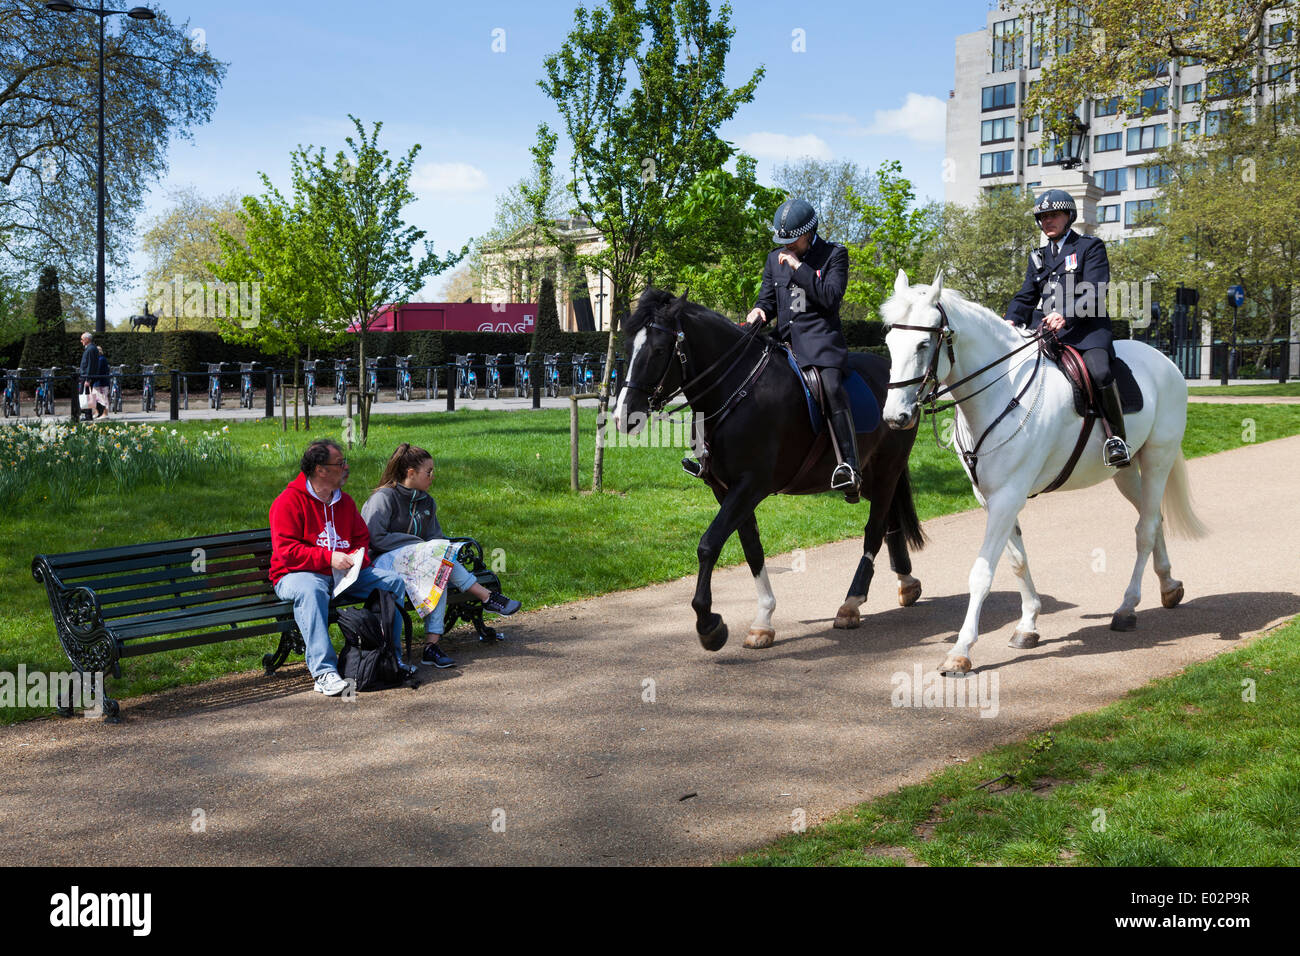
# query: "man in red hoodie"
315, 531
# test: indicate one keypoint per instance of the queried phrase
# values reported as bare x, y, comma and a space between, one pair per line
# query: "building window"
996, 164
1191, 130
1147, 139
1035, 42
1190, 61
1280, 33
1032, 124
1191, 92
1215, 121
1279, 73
1033, 158
1108, 107
1222, 83
1006, 46
1135, 210
1111, 181
1155, 100
1106, 142
1152, 177
1108, 213
999, 130
1154, 68
999, 97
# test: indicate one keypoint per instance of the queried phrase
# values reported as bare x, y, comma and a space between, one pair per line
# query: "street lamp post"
135, 13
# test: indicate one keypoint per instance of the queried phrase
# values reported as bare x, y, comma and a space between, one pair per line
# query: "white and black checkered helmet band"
793, 219
1054, 200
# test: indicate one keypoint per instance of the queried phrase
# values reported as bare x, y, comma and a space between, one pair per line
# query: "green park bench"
113, 603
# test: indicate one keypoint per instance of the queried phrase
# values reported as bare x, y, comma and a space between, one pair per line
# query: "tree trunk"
618, 298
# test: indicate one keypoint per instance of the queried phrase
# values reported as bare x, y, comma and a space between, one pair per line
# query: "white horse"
1027, 449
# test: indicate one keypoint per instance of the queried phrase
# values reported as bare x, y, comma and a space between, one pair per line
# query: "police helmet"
794, 218
1056, 200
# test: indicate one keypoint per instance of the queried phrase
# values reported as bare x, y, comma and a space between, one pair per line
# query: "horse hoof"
714, 639
955, 666
908, 594
847, 617
1123, 622
1024, 639
760, 637
1173, 597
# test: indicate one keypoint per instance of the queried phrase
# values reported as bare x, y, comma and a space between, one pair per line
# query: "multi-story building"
992, 143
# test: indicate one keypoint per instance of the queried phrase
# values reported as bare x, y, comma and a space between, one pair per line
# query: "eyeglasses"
341, 463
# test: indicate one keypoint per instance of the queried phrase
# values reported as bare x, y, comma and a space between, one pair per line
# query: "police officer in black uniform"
803, 283
1070, 275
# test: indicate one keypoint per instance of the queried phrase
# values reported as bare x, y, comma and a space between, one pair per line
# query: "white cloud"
921, 119
448, 178
781, 146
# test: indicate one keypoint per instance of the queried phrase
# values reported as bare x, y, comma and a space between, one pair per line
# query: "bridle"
930, 379
655, 394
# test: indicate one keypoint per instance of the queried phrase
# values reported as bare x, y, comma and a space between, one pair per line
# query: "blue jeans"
310, 593
461, 580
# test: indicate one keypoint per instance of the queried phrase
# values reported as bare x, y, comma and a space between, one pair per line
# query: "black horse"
750, 407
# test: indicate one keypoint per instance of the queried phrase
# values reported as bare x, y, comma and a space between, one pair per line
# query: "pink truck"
455, 317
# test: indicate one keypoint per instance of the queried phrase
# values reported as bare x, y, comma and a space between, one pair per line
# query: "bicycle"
552, 375
581, 378
309, 380
147, 396
115, 374
523, 374
341, 381
466, 379
246, 370
404, 378
13, 398
493, 375
214, 385
372, 376
45, 391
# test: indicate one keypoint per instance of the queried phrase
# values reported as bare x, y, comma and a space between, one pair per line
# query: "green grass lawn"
1263, 390
1188, 771
502, 477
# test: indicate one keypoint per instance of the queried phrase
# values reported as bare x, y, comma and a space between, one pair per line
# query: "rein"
657, 400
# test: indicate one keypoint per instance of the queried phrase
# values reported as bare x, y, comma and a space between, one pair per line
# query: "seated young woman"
406, 538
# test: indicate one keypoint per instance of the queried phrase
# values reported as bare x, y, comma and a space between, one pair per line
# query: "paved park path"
548, 735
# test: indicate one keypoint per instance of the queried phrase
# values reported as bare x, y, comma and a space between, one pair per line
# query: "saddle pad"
1130, 395
866, 411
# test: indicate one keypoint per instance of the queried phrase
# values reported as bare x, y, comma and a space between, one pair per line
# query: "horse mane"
653, 300
895, 308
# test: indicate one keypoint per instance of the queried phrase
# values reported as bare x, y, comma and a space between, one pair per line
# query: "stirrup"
845, 478
1115, 453
693, 467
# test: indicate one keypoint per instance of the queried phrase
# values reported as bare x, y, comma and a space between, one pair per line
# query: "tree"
826, 184
15, 321
1226, 216
462, 284
634, 149
716, 239
365, 254
46, 344
160, 81
1116, 47
982, 249
183, 242
270, 243
547, 336
898, 233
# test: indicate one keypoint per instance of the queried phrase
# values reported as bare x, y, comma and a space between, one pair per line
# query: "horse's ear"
935, 288
900, 282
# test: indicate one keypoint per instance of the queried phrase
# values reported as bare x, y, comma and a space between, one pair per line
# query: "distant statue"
148, 319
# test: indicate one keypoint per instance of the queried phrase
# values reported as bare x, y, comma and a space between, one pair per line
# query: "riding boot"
846, 477
1115, 453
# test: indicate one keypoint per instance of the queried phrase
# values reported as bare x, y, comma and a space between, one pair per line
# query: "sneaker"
331, 684
500, 604
433, 655
410, 670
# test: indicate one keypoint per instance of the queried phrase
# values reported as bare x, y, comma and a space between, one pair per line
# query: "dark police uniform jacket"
820, 280
1074, 283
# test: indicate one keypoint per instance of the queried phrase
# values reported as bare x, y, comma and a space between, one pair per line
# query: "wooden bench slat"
237, 539
182, 563
194, 640
116, 603
199, 600
107, 587
162, 624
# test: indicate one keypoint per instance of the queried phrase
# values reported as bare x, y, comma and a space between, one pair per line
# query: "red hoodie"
305, 531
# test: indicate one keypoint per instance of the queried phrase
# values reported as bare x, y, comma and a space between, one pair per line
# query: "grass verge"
1199, 769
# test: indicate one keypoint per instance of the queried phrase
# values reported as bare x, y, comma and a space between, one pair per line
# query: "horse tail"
1179, 517
902, 513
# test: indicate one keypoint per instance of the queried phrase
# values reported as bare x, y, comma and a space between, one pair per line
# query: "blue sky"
870, 86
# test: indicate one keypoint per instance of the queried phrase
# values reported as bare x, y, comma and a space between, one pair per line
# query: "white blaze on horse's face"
909, 350
621, 417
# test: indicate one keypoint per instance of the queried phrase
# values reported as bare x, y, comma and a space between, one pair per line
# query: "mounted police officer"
1070, 275
803, 283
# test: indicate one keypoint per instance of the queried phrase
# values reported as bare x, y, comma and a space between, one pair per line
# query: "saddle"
1086, 402
865, 408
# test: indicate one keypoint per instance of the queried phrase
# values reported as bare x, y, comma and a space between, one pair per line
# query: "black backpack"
368, 656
